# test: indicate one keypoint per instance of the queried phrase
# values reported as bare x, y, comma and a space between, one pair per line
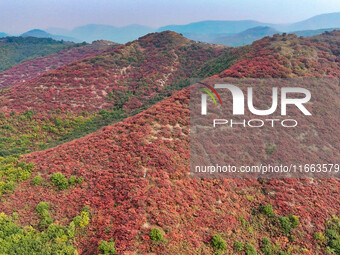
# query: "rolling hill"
14, 50
219, 27
317, 22
93, 32
33, 68
42, 34
135, 173
313, 32
139, 68
246, 37
81, 97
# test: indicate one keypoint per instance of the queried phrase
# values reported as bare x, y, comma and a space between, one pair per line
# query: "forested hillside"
126, 189
14, 50
81, 97
32, 68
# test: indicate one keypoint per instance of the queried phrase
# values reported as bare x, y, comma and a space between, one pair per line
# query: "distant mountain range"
245, 37
314, 32
42, 34
231, 33
94, 32
3, 35
217, 27
236, 33
317, 22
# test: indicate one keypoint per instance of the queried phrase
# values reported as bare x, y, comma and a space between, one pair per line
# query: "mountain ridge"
136, 172
206, 31
33, 68
43, 34
246, 37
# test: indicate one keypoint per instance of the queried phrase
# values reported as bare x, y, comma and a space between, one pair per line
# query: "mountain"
42, 34
94, 32
213, 26
136, 178
209, 31
318, 22
241, 32
88, 94
289, 56
14, 50
37, 33
154, 60
32, 68
3, 35
206, 31
246, 37
313, 32
112, 189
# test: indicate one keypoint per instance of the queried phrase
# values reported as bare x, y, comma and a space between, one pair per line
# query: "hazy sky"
21, 15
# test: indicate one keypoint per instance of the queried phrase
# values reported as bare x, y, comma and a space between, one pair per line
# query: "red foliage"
136, 171
33, 68
134, 69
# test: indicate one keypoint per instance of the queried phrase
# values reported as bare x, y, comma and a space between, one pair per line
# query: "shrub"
37, 180
80, 180
45, 219
243, 221
71, 230
28, 114
27, 240
42, 206
56, 231
267, 246
58, 121
83, 220
9, 186
268, 210
249, 198
107, 247
294, 220
270, 149
86, 208
250, 249
331, 233
156, 234
59, 180
285, 224
218, 242
15, 216
289, 223
319, 236
72, 180
238, 246
335, 245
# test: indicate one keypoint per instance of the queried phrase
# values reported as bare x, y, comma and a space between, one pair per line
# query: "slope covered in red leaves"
284, 56
136, 177
33, 68
139, 70
72, 100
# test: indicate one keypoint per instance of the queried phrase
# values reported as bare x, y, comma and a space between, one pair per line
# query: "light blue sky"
21, 15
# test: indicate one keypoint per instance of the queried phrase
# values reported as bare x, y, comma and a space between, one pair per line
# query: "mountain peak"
161, 38
36, 33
